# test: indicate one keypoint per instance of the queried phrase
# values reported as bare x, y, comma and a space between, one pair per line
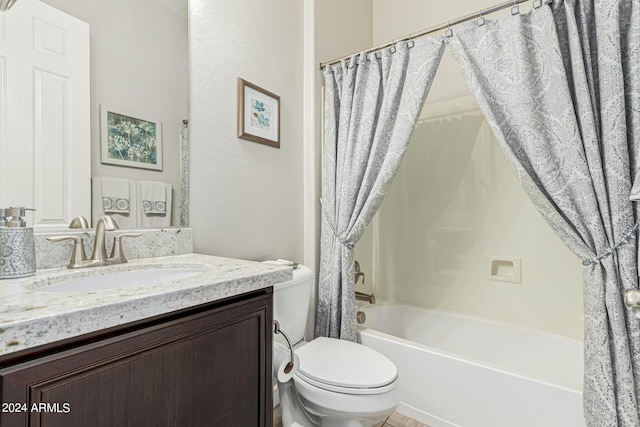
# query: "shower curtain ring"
481, 19
515, 10
449, 32
410, 42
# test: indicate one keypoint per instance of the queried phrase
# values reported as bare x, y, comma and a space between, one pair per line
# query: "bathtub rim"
384, 302
578, 388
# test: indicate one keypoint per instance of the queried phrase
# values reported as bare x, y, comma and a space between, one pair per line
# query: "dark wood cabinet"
207, 366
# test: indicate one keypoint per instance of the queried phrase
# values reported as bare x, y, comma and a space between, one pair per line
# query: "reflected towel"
154, 197
115, 195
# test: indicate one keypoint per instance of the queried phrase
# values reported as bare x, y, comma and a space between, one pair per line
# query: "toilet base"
299, 412
293, 414
328, 422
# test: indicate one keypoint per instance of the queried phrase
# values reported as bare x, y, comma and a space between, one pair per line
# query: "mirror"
139, 65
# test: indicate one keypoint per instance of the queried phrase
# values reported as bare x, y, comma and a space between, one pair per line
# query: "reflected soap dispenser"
17, 245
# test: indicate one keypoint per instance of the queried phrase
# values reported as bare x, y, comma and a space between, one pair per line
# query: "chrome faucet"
99, 255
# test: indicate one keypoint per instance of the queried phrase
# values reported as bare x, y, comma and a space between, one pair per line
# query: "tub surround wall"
453, 206
153, 243
455, 202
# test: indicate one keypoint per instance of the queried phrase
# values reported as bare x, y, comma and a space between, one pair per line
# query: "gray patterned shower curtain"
560, 87
372, 103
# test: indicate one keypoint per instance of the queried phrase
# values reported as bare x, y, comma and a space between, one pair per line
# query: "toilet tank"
291, 303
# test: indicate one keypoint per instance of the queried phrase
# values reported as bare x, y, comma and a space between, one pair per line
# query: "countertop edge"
247, 276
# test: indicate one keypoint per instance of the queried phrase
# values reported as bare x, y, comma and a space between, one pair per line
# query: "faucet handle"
78, 257
358, 274
117, 253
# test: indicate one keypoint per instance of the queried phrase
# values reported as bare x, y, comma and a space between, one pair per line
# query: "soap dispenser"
17, 245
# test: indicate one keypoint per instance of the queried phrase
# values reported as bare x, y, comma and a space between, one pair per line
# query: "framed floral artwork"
258, 114
129, 140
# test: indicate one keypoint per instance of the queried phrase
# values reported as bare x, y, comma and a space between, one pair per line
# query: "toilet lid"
345, 364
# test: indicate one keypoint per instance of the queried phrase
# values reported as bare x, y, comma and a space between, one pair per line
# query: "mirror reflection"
91, 57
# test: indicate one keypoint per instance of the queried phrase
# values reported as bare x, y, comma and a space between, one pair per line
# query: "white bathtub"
458, 371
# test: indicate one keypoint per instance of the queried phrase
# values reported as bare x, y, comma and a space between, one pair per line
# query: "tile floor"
398, 420
394, 420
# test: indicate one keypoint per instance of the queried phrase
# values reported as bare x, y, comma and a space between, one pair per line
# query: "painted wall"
456, 202
246, 198
342, 27
139, 59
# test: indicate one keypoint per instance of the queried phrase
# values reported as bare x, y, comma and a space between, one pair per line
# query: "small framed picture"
129, 140
258, 114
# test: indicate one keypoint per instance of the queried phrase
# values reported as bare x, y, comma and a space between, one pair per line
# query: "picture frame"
127, 139
258, 114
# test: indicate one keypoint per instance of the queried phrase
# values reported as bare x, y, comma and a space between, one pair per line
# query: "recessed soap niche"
503, 269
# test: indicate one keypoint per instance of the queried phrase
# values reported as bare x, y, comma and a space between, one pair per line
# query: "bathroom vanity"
188, 352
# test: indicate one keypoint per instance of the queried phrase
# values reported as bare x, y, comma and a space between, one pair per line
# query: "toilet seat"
345, 367
344, 390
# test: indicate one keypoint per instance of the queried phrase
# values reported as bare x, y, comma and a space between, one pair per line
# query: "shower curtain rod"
444, 25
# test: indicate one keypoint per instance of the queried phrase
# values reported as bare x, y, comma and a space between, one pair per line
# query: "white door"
45, 130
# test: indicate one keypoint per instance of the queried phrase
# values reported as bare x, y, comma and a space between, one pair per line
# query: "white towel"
115, 195
154, 197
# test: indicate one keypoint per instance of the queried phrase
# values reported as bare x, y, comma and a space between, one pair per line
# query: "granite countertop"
30, 316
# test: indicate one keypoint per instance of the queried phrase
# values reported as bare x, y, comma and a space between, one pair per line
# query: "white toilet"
338, 383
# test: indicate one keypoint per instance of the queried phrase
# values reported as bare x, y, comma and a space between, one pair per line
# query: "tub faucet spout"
365, 297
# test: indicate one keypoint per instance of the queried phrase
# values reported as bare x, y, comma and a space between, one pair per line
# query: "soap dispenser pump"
17, 244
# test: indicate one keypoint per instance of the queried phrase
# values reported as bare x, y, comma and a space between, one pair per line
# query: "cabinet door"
207, 369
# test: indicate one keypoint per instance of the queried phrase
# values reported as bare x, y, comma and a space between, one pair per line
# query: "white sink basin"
124, 279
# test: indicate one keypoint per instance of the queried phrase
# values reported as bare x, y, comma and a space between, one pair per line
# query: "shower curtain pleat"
560, 87
372, 103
